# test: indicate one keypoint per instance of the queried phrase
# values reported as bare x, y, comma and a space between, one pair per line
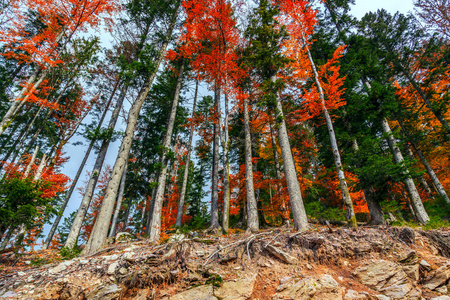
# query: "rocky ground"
323, 263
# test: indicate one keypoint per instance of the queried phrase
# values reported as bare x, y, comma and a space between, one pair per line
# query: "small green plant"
214, 279
318, 210
68, 253
38, 261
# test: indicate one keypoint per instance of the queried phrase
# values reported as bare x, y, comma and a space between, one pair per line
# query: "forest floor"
322, 263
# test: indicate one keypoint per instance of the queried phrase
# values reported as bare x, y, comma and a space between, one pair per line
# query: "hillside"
322, 263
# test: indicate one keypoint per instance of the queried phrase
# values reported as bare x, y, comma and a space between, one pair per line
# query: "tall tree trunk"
437, 183
215, 169
155, 225
72, 238
7, 237
226, 169
112, 231
416, 201
295, 194
100, 230
351, 218
186, 166
252, 208
283, 208
68, 195
420, 178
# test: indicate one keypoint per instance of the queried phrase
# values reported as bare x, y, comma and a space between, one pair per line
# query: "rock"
323, 287
203, 292
112, 268
388, 278
144, 295
123, 271
128, 255
285, 257
176, 238
123, 237
61, 267
109, 292
285, 279
441, 298
437, 277
238, 290
442, 289
200, 253
9, 294
382, 297
354, 295
27, 262
309, 267
21, 273
83, 261
412, 272
408, 257
423, 263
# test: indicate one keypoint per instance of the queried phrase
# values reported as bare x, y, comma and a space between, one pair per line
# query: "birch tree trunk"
295, 194
155, 225
215, 169
252, 205
112, 231
72, 238
351, 218
437, 183
416, 201
420, 178
68, 195
179, 220
7, 238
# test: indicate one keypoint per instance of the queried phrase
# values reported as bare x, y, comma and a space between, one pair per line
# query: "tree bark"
112, 231
351, 218
100, 230
416, 201
7, 238
295, 194
226, 169
437, 183
215, 169
67, 197
155, 225
252, 208
179, 220
74, 232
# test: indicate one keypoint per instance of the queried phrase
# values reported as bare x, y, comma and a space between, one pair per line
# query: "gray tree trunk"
112, 231
100, 230
295, 194
179, 220
155, 225
416, 201
68, 195
215, 169
351, 218
437, 183
7, 238
252, 205
420, 178
74, 232
226, 169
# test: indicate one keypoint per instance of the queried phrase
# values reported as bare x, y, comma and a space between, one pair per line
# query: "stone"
27, 262
382, 297
285, 257
83, 261
203, 292
9, 294
412, 271
176, 238
285, 279
200, 253
388, 278
437, 277
354, 295
124, 237
109, 292
61, 267
238, 290
423, 263
21, 273
322, 287
123, 271
128, 255
112, 268
442, 289
309, 267
441, 298
408, 257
